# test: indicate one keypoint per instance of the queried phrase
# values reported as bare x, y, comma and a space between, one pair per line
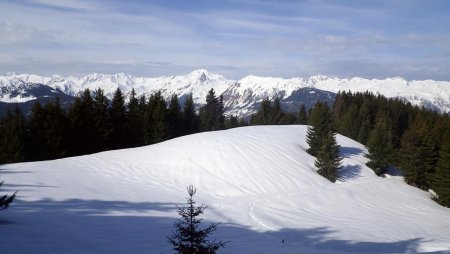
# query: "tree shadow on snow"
94, 226
346, 151
349, 172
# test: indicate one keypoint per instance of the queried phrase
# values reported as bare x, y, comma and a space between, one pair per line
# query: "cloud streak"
284, 38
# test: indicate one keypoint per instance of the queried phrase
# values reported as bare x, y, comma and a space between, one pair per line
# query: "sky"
235, 38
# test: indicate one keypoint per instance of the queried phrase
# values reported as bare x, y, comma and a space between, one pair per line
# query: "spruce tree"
101, 127
379, 146
190, 119
12, 143
188, 237
212, 113
328, 161
320, 124
302, 118
117, 116
135, 121
441, 180
174, 117
155, 119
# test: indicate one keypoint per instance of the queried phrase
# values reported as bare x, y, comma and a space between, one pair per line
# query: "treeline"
271, 113
413, 139
93, 124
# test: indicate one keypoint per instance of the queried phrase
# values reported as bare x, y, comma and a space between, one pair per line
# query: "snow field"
258, 181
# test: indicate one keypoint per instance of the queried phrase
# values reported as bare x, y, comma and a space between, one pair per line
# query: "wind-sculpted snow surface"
258, 181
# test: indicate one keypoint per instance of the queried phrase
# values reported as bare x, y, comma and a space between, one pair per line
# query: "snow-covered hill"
240, 96
258, 181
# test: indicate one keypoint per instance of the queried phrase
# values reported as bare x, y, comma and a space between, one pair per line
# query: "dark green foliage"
155, 120
47, 132
6, 200
328, 160
118, 120
211, 114
231, 122
302, 118
82, 118
380, 147
441, 178
397, 134
188, 237
174, 117
320, 121
101, 128
135, 121
12, 137
190, 119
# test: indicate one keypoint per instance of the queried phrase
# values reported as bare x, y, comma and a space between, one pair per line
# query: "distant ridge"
241, 97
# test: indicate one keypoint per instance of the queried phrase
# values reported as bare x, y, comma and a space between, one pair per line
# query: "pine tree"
117, 116
411, 160
320, 124
12, 143
174, 117
441, 180
155, 119
188, 237
212, 113
135, 121
328, 160
276, 113
263, 115
379, 146
302, 118
190, 119
101, 126
81, 117
6, 200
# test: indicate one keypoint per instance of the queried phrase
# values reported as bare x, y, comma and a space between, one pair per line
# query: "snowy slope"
240, 96
258, 181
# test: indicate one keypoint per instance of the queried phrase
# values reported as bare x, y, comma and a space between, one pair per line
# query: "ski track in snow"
258, 181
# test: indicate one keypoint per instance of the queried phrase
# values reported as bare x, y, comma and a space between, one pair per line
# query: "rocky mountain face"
242, 97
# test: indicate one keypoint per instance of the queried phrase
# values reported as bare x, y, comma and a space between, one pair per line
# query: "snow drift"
258, 181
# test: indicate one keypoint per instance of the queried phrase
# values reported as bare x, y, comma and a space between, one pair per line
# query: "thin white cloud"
68, 4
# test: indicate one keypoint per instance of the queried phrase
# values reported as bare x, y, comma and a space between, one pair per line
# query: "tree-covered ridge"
93, 124
398, 134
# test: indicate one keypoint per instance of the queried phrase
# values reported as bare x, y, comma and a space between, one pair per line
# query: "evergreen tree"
441, 180
174, 117
101, 128
155, 119
188, 237
302, 118
263, 115
135, 121
117, 116
6, 200
81, 117
411, 160
320, 124
276, 113
328, 160
190, 119
13, 136
379, 146
211, 114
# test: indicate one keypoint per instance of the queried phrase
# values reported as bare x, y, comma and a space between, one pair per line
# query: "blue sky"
372, 39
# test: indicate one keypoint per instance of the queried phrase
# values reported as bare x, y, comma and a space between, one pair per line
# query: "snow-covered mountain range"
241, 97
